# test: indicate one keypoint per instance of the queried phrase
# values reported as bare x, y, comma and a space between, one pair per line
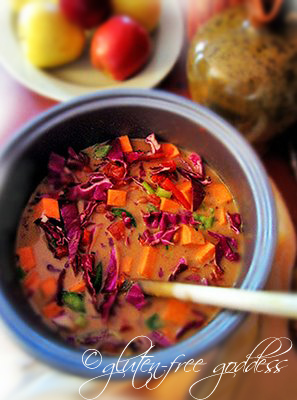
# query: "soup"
116, 213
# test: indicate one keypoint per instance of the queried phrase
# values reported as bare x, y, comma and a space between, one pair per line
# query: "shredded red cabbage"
142, 173
72, 227
224, 248
107, 306
234, 222
77, 161
116, 152
161, 169
152, 141
198, 165
198, 194
104, 335
133, 156
58, 174
89, 208
180, 267
187, 171
56, 239
112, 272
136, 297
164, 237
152, 219
159, 339
87, 262
94, 189
189, 326
162, 220
186, 217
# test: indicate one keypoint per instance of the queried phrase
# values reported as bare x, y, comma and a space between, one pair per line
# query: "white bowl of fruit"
65, 48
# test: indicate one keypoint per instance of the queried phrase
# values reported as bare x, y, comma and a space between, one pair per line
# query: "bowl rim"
69, 359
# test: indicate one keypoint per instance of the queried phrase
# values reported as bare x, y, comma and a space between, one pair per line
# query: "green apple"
47, 37
146, 12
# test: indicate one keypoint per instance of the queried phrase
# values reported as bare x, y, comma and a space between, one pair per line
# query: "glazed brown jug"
242, 63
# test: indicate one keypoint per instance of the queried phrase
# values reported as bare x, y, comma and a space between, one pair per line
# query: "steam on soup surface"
113, 214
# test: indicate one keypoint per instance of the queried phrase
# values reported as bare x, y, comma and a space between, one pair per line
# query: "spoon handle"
263, 302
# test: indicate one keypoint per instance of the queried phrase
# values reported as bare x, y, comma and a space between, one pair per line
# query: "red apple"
120, 47
86, 13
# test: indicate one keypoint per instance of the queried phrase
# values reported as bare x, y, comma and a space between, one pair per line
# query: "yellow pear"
17, 5
146, 12
47, 37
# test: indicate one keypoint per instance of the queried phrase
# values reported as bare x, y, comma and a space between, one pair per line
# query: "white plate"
79, 77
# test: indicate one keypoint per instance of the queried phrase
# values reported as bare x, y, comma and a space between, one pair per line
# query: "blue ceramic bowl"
95, 118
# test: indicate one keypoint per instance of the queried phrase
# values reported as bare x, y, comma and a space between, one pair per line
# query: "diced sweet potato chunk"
26, 258
116, 198
169, 150
190, 237
147, 262
125, 144
169, 205
219, 192
126, 265
48, 207
176, 312
78, 287
48, 287
52, 310
205, 252
31, 281
220, 215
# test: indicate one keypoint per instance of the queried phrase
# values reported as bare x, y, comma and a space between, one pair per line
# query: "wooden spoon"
262, 302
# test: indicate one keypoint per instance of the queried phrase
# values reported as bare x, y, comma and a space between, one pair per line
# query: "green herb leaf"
167, 247
117, 212
205, 222
154, 322
74, 301
102, 151
97, 280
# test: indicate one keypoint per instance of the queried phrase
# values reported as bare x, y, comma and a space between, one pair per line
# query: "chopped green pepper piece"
81, 321
117, 212
148, 188
163, 193
205, 222
154, 322
102, 151
97, 280
167, 247
74, 301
